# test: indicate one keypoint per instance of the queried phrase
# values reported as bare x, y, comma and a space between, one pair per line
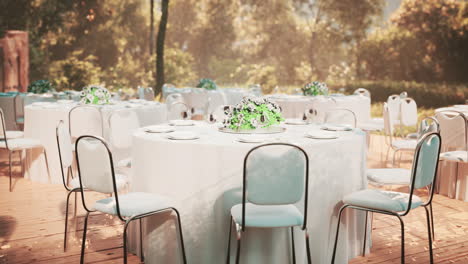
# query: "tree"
151, 35
160, 46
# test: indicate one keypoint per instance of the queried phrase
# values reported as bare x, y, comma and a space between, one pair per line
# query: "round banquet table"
294, 106
41, 121
203, 178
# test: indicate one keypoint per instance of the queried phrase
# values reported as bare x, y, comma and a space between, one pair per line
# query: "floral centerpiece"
95, 94
315, 88
208, 84
40, 87
253, 113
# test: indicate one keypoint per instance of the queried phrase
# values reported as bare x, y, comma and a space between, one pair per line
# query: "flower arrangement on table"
95, 94
253, 113
315, 88
40, 87
208, 84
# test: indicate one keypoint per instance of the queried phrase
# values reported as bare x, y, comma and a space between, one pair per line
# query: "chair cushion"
268, 215
14, 134
131, 204
389, 176
458, 155
125, 163
21, 143
121, 181
405, 144
382, 200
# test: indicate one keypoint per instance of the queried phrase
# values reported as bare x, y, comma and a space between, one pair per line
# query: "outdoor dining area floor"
32, 226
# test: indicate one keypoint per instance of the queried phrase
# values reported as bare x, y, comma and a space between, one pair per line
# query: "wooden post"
15, 61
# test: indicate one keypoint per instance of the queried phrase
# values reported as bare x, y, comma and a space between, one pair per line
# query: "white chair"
276, 176
85, 120
363, 92
423, 175
90, 151
178, 110
18, 145
197, 101
454, 132
215, 99
12, 134
219, 114
393, 104
319, 107
18, 108
341, 116
395, 145
122, 124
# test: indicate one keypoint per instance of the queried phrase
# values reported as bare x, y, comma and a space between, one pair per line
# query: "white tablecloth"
41, 122
203, 178
294, 106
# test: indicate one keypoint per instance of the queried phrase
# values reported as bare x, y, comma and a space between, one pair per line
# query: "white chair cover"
197, 100
85, 120
393, 103
363, 92
65, 145
215, 100
409, 112
452, 131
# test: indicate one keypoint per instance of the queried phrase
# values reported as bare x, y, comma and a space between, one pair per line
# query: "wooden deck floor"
32, 223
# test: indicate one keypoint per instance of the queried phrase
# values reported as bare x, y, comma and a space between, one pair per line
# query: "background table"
294, 106
41, 122
203, 177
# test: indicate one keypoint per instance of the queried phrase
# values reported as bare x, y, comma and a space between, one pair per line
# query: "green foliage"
207, 84
179, 67
253, 114
426, 95
95, 94
75, 72
40, 87
315, 88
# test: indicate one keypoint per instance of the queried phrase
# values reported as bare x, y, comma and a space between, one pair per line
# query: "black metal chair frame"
65, 180
241, 228
399, 215
127, 221
20, 151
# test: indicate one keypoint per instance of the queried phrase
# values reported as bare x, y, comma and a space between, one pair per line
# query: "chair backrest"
18, 106
454, 130
321, 105
65, 149
275, 174
215, 99
388, 124
408, 112
341, 116
178, 110
3, 128
197, 100
428, 125
363, 92
96, 168
393, 103
425, 163
122, 124
174, 98
85, 120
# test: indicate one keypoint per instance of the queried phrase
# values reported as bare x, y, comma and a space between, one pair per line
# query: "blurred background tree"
271, 42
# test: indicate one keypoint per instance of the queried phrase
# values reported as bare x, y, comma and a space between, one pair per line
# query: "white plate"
295, 122
252, 139
158, 129
181, 123
183, 135
320, 134
335, 127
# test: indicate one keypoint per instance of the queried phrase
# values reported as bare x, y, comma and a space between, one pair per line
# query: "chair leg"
429, 235
182, 245
432, 221
229, 241
365, 235
239, 236
125, 241
309, 257
83, 243
456, 182
47, 162
142, 257
337, 232
9, 166
66, 223
402, 239
292, 246
20, 154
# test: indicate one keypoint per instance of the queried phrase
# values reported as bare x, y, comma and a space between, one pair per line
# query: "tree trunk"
160, 46
151, 36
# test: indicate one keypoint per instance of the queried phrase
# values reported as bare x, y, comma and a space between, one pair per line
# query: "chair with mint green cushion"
96, 173
275, 178
398, 204
18, 108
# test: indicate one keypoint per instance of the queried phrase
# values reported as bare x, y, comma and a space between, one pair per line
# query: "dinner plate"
183, 135
181, 123
320, 134
158, 129
336, 127
296, 121
252, 139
